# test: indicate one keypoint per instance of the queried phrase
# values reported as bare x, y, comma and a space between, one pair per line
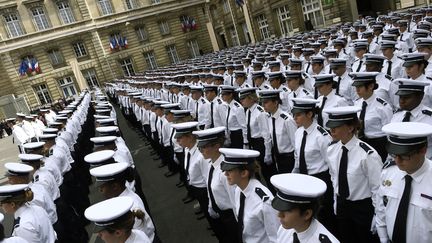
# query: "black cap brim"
408, 92
281, 205
399, 149
333, 124
227, 167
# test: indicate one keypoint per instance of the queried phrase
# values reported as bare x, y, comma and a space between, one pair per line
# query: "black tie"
295, 238
399, 229
187, 104
307, 68
338, 84
196, 111
240, 216
401, 37
359, 66
362, 119
320, 118
294, 94
171, 137
232, 80
212, 199
187, 164
249, 134
211, 114
343, 180
161, 122
275, 145
302, 159
228, 114
407, 117
389, 68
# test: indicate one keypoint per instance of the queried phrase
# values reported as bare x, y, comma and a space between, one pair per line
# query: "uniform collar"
193, 149
351, 143
415, 112
305, 235
216, 163
253, 107
20, 210
311, 128
420, 173
249, 188
371, 99
277, 113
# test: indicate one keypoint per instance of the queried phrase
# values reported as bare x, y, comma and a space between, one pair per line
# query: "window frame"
284, 19
172, 54
82, 47
315, 7
263, 26
59, 59
44, 92
16, 23
66, 85
164, 27
234, 37
103, 9
91, 77
127, 66
150, 59
44, 19
140, 31
66, 11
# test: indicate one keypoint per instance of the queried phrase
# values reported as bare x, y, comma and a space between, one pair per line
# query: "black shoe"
201, 217
170, 173
161, 165
180, 184
188, 200
187, 197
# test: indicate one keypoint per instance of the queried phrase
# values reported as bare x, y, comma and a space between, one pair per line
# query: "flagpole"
233, 20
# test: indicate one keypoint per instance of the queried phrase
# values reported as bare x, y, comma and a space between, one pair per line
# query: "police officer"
257, 220
352, 163
297, 201
405, 193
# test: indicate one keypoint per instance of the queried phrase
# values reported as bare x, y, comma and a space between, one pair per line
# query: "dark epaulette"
388, 164
306, 92
383, 102
333, 142
398, 110
366, 148
219, 101
324, 238
322, 130
388, 77
237, 104
36, 178
285, 89
427, 112
261, 194
429, 78
260, 108
16, 222
203, 100
283, 116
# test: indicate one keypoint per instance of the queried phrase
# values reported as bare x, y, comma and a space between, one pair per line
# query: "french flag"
29, 66
23, 68
125, 42
112, 43
35, 66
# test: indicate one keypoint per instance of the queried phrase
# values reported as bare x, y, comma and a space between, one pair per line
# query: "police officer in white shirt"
298, 201
220, 193
393, 64
296, 83
385, 89
411, 94
375, 112
19, 136
235, 119
201, 107
259, 80
343, 80
113, 220
281, 129
12, 239
405, 197
355, 168
217, 109
311, 142
257, 220
240, 80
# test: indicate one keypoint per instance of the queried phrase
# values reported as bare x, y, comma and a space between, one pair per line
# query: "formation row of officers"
353, 114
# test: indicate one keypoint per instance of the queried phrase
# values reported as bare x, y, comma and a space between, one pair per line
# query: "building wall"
94, 31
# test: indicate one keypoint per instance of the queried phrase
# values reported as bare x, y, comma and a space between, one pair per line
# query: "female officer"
355, 169
13, 239
375, 112
311, 142
114, 221
31, 222
297, 201
257, 220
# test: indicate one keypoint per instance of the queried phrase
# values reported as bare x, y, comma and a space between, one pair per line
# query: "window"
55, 57
127, 67
13, 25
155, 1
164, 27
141, 33
42, 94
40, 19
172, 54
312, 12
226, 7
79, 49
194, 49
90, 77
105, 7
284, 18
131, 4
150, 60
67, 86
234, 37
65, 12
263, 26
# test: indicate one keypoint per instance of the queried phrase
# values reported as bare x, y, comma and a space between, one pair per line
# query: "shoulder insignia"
36, 178
388, 164
305, 91
429, 78
322, 130
237, 104
219, 101
388, 77
16, 222
284, 116
383, 102
324, 238
333, 142
285, 89
260, 108
366, 148
203, 100
427, 112
398, 110
261, 194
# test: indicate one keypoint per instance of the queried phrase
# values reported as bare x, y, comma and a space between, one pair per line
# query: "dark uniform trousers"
236, 138
267, 171
379, 144
284, 162
326, 214
226, 227
354, 220
167, 156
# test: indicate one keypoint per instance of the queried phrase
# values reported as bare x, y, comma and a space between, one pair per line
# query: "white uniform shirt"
313, 234
285, 130
28, 128
346, 89
198, 167
42, 199
260, 221
378, 113
419, 220
34, 224
355, 65
236, 119
364, 169
137, 236
19, 135
317, 141
258, 122
333, 100
145, 225
218, 110
285, 106
14, 239
203, 111
397, 70
47, 180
